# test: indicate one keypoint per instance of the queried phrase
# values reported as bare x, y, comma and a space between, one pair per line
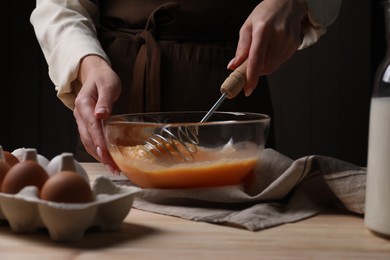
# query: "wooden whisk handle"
235, 82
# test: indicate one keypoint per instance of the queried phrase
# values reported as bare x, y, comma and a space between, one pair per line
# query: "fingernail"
231, 62
248, 92
101, 111
99, 152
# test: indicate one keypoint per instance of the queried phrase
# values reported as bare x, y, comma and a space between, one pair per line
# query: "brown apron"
172, 55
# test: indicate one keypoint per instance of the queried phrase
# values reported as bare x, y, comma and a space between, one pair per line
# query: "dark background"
321, 96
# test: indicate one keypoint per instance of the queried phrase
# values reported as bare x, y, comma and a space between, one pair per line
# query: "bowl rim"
257, 117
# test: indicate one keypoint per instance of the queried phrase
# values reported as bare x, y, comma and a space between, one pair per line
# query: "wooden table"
144, 235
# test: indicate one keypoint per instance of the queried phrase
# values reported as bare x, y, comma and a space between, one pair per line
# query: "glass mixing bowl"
175, 150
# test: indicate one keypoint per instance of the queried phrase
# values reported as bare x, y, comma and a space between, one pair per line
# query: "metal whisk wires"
169, 147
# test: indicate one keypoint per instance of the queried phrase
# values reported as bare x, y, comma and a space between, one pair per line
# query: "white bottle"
377, 212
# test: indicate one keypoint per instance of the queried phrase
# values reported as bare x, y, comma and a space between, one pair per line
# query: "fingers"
92, 104
106, 98
83, 112
108, 92
268, 38
251, 48
85, 136
243, 46
101, 87
256, 60
91, 133
107, 95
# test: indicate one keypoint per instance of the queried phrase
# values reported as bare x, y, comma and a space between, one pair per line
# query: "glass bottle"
377, 212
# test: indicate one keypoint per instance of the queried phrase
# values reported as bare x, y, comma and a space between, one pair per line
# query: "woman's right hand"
269, 37
101, 87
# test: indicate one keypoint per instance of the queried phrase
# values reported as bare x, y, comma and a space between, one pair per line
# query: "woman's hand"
269, 37
101, 87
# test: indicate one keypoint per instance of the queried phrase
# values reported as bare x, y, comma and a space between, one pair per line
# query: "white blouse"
66, 33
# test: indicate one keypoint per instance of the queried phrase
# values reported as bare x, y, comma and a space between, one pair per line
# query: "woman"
120, 56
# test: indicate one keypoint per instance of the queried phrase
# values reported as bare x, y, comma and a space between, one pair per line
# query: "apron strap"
146, 74
145, 91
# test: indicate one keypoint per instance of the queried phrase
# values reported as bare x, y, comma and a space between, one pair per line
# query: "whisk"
166, 146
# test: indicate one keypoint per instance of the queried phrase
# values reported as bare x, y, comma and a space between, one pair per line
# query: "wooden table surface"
143, 235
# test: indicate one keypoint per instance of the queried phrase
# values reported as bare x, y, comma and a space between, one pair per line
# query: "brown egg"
4, 168
10, 158
22, 174
67, 187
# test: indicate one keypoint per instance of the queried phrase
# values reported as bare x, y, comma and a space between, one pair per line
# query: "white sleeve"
321, 14
66, 33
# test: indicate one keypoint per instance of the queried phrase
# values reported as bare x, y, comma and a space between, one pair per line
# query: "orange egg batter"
210, 167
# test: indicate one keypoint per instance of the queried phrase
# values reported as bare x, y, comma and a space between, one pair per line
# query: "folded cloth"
279, 191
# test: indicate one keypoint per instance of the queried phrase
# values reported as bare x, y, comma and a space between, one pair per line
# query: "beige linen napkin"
280, 191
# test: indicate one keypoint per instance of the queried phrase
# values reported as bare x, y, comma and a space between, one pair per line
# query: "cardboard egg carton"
26, 212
